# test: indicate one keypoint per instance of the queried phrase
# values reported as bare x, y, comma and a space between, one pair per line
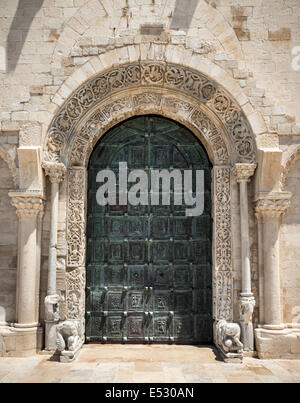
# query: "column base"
19, 342
277, 343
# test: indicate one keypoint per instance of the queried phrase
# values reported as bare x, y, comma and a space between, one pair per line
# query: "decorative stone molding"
27, 204
55, 171
273, 205
155, 74
120, 107
243, 172
222, 279
76, 218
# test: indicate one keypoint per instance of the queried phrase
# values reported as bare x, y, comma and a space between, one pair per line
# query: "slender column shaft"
273, 311
269, 209
246, 270
53, 239
56, 173
243, 173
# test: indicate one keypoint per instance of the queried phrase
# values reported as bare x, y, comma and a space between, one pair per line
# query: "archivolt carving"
169, 76
110, 113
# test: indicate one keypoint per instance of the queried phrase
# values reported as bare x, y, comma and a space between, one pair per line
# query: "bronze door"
149, 267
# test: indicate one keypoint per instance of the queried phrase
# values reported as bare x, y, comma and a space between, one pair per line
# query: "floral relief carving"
223, 283
157, 74
76, 218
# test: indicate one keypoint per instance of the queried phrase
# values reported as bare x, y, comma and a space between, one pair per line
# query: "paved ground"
142, 364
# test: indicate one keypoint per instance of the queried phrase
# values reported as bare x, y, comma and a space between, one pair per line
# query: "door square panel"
115, 301
115, 252
136, 301
182, 276
182, 228
162, 327
115, 227
135, 327
183, 301
114, 276
162, 301
183, 327
137, 276
181, 252
114, 327
161, 276
137, 227
137, 252
161, 251
160, 228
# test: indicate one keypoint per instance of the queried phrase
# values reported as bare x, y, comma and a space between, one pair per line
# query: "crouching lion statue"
228, 336
67, 336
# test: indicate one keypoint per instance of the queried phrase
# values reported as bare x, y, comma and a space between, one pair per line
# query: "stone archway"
168, 90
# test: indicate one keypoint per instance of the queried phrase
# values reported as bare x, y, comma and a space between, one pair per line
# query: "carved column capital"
27, 204
55, 171
272, 205
243, 172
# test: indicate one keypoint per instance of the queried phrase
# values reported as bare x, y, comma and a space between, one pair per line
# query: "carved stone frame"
171, 91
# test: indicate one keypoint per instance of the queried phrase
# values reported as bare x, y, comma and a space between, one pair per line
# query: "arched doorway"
149, 268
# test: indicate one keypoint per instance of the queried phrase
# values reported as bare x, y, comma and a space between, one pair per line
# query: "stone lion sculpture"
67, 336
228, 336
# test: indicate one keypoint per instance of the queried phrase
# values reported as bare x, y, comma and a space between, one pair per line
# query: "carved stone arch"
140, 88
11, 165
166, 103
292, 160
141, 75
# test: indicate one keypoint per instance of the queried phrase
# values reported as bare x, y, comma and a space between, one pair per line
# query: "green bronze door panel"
148, 267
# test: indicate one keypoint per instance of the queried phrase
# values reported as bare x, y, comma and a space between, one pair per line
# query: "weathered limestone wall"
290, 251
8, 247
47, 40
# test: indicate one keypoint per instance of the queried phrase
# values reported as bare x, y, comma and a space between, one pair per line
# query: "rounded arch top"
168, 89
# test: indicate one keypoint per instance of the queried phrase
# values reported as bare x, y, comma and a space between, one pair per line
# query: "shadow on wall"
22, 21
183, 14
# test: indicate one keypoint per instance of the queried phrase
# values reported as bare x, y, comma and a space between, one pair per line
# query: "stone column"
270, 208
242, 174
56, 173
30, 208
